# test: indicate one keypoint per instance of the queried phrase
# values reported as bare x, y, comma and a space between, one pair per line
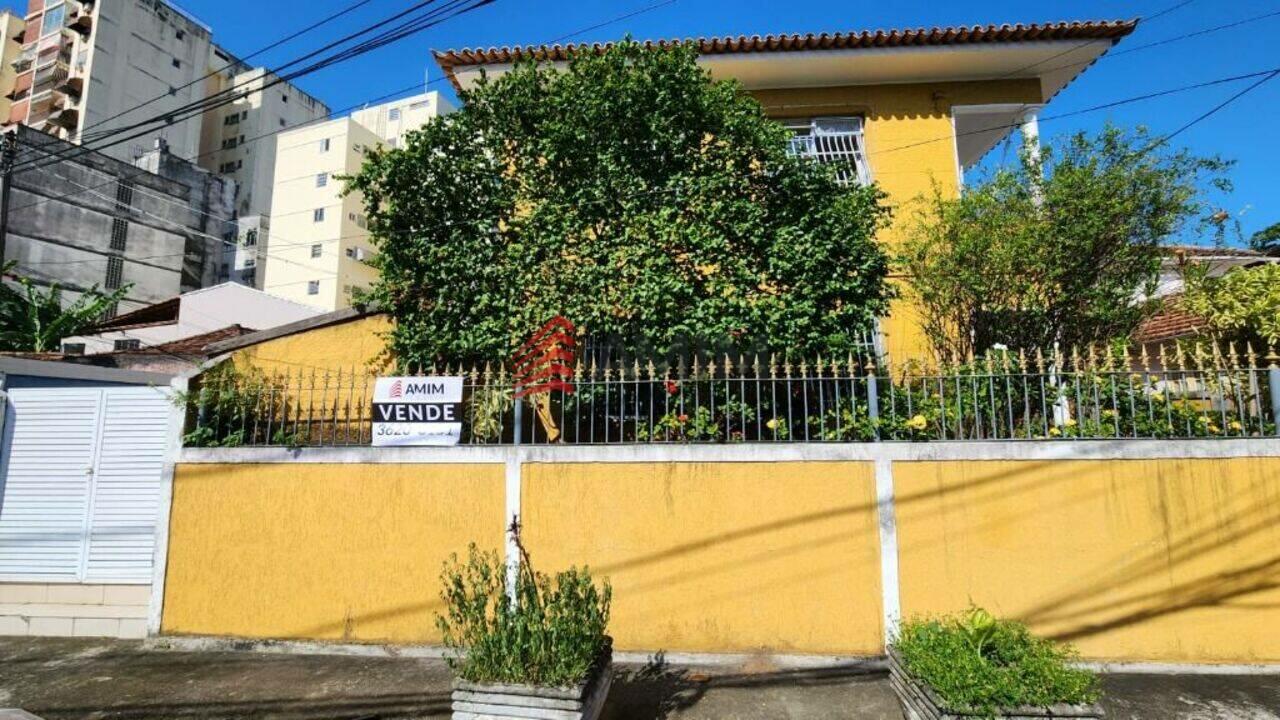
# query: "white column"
1030, 122
886, 516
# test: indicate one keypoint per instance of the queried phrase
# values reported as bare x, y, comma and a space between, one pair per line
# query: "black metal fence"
1205, 393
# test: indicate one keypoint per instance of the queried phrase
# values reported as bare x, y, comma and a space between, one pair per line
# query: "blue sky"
1245, 131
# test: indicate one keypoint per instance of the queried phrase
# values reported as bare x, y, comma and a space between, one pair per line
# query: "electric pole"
8, 153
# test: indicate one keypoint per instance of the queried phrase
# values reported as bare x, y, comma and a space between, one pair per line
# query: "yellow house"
906, 109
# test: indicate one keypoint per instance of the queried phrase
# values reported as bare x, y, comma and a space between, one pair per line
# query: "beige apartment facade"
319, 248
84, 64
12, 29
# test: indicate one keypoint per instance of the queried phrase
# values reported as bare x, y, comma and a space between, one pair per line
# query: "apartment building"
76, 65
12, 30
239, 139
320, 247
84, 63
158, 225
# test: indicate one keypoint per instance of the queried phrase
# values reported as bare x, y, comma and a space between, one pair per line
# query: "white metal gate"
80, 479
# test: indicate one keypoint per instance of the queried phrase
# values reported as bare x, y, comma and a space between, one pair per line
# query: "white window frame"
815, 134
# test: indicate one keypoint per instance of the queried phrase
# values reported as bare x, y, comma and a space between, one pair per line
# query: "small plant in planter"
545, 655
976, 666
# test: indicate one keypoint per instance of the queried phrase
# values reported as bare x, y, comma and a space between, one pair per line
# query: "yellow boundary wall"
1137, 551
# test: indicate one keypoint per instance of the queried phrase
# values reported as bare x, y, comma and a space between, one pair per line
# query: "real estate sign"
417, 411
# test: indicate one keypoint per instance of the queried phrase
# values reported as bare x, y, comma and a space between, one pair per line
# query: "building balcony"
18, 112
71, 89
66, 118
25, 59
21, 86
49, 77
80, 18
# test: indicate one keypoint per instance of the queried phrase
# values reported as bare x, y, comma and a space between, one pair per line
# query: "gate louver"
80, 487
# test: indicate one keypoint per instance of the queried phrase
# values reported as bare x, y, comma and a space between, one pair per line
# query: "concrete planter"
472, 701
920, 702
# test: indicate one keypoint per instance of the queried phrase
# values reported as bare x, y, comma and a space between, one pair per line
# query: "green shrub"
551, 636
979, 664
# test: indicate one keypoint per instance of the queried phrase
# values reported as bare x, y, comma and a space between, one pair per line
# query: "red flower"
683, 418
672, 387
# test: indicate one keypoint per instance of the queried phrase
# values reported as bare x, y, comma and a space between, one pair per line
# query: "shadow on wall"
1233, 587
1182, 555
1133, 560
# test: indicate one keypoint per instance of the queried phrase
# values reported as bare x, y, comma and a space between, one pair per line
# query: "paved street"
73, 678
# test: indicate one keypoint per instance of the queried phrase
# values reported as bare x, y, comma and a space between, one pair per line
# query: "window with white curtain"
837, 141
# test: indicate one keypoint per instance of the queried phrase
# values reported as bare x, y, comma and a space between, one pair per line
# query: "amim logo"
397, 389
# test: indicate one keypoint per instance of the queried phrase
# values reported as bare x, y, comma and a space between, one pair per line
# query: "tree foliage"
1241, 305
1266, 240
35, 319
1057, 249
630, 193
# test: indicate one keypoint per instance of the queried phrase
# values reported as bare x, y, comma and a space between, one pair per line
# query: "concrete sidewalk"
75, 678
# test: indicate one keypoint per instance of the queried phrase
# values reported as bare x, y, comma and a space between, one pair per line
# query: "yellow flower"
1235, 425
1214, 429
772, 424
1108, 413
1054, 432
1204, 420
1070, 422
1157, 396
919, 422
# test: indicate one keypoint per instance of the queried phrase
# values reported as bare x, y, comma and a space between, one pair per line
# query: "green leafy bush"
979, 664
551, 636
631, 193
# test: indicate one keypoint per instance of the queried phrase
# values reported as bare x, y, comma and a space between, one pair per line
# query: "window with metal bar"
124, 195
115, 273
836, 141
119, 233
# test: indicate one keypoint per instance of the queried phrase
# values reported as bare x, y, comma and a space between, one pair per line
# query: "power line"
1265, 74
360, 104
1212, 111
1169, 40
323, 21
208, 102
451, 9
176, 225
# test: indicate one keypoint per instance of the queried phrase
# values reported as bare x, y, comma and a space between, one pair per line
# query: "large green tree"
35, 318
1058, 249
648, 204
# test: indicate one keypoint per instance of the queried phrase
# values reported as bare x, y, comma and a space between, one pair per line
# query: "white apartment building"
320, 249
239, 139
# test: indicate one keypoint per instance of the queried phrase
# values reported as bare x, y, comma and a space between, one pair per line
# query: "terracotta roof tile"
864, 39
195, 345
1171, 323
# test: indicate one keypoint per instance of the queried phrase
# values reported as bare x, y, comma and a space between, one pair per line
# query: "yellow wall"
1162, 560
359, 344
334, 552
1169, 560
910, 147
718, 557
